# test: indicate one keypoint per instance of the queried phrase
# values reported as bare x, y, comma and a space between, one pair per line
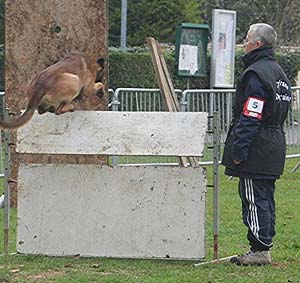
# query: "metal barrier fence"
208, 100
138, 99
292, 125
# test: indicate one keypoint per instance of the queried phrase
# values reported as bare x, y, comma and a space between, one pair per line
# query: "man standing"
255, 144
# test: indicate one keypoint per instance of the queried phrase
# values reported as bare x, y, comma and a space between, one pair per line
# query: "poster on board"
191, 49
223, 49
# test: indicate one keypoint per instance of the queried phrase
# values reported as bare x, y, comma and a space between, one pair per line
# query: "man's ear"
258, 44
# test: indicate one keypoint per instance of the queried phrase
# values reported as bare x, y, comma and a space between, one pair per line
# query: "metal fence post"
216, 158
115, 101
6, 139
123, 24
183, 102
2, 109
115, 107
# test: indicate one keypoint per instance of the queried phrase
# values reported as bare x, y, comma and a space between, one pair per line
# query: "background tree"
157, 18
282, 15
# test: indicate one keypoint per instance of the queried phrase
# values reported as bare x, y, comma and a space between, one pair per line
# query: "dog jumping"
56, 88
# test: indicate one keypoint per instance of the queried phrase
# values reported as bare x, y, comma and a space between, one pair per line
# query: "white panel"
115, 133
223, 48
132, 212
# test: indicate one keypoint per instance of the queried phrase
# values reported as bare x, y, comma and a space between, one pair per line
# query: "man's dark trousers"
258, 211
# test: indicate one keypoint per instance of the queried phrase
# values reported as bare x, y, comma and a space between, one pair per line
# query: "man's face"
249, 45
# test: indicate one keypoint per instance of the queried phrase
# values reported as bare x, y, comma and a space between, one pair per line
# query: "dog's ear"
101, 62
100, 72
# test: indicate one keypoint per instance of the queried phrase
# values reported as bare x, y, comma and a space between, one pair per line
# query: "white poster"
188, 58
223, 49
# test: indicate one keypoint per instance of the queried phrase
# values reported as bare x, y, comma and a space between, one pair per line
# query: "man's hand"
236, 161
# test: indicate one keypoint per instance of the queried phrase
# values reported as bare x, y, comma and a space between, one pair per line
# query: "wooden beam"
173, 95
163, 84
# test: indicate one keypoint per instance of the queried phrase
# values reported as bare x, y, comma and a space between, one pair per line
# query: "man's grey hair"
263, 33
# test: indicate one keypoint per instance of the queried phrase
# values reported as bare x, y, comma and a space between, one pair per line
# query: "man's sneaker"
253, 258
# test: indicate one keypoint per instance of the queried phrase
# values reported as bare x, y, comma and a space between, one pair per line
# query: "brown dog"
55, 88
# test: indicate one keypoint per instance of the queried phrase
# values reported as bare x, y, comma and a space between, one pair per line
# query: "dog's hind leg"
43, 108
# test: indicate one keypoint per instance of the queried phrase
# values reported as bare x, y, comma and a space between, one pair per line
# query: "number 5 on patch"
253, 107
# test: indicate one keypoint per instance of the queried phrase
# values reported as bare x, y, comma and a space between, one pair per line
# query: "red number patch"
253, 107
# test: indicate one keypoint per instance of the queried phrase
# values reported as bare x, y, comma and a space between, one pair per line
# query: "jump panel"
131, 212
115, 133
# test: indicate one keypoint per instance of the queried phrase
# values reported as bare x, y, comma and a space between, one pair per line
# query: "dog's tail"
19, 122
25, 117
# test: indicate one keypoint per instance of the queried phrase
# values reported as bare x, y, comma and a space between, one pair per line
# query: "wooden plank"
131, 212
115, 133
163, 84
173, 95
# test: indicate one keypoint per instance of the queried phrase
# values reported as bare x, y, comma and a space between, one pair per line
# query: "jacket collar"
257, 54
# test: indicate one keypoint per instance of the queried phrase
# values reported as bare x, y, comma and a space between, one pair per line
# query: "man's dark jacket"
259, 143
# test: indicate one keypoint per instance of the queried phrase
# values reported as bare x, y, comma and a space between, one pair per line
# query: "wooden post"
38, 34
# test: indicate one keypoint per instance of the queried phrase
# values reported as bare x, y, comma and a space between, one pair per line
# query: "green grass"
232, 240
